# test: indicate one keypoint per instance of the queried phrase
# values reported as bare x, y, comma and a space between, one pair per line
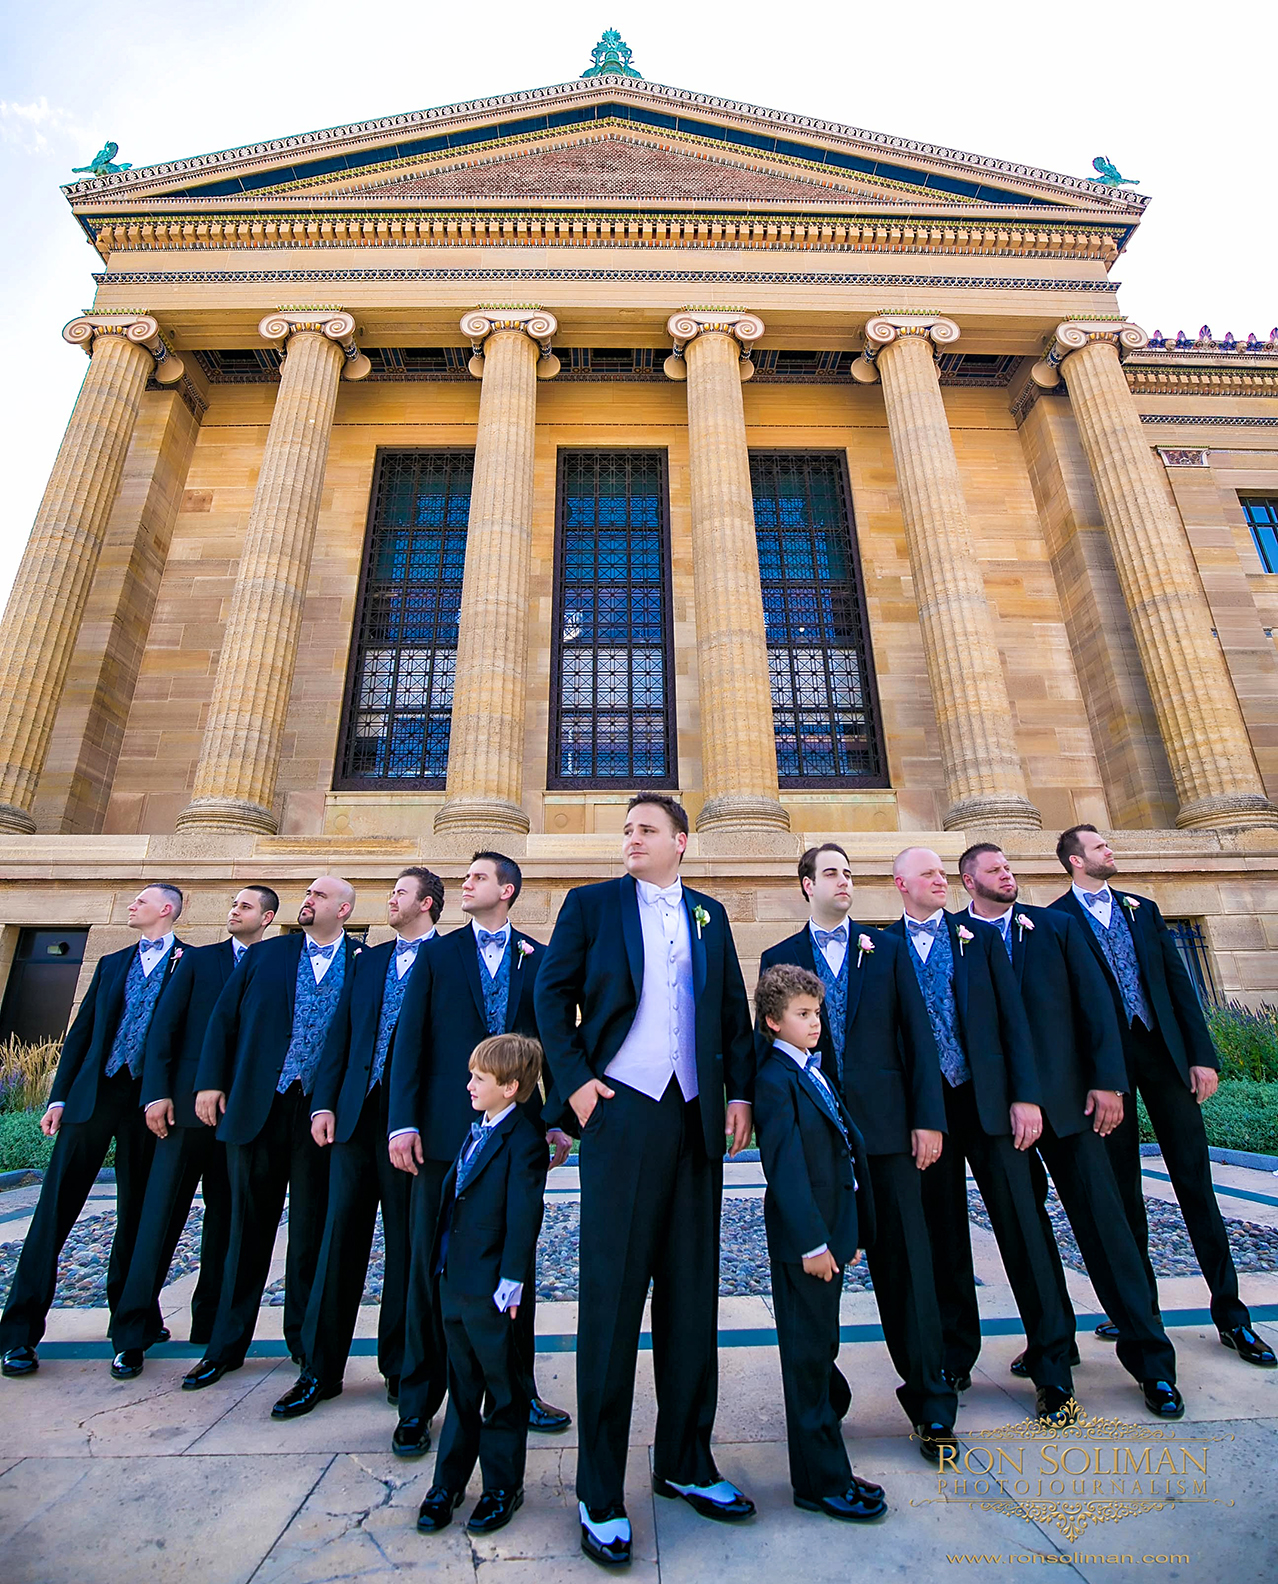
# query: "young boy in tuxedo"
816, 1167
488, 1226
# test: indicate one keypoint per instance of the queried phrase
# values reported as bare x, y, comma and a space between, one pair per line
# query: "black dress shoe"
867, 1487
1163, 1400
1017, 1366
411, 1438
856, 1505
1107, 1331
494, 1510
127, 1364
733, 1510
1056, 1407
392, 1389
931, 1439
550, 1421
608, 1553
1249, 1346
18, 1362
436, 1512
162, 1335
958, 1383
205, 1373
304, 1394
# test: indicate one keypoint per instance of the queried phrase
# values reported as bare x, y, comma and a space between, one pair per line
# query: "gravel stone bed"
743, 1267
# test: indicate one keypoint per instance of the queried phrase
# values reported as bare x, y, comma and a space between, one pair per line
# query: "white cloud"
37, 127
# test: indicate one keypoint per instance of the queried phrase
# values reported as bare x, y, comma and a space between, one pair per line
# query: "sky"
1164, 91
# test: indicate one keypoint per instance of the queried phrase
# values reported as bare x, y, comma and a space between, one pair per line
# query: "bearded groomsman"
96, 1097
257, 1071
350, 1110
877, 1048
1170, 1062
472, 983
993, 1114
187, 1154
644, 1019
1083, 1079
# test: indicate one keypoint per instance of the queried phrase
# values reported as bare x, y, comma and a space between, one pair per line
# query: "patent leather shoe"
127, 1364
205, 1373
436, 1511
549, 1420
1107, 1331
411, 1438
19, 1361
607, 1553
305, 1393
1163, 1400
730, 1510
1249, 1346
932, 1438
855, 1505
494, 1510
1020, 1370
162, 1335
392, 1389
1056, 1407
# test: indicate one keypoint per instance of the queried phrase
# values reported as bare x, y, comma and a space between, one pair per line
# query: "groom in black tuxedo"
664, 1031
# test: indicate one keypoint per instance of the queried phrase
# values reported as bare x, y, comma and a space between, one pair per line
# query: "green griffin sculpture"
611, 58
1108, 175
100, 164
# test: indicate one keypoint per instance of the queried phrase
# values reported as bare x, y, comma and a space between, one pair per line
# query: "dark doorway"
37, 1001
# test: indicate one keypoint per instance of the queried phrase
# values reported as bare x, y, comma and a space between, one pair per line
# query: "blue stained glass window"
1262, 515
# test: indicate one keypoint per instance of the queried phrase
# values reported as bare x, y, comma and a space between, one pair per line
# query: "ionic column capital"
335, 324
745, 329
883, 329
1074, 335
134, 326
539, 326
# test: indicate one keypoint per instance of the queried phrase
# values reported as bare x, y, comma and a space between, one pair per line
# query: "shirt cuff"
57, 1105
399, 1133
750, 1103
508, 1293
812, 1253
323, 1111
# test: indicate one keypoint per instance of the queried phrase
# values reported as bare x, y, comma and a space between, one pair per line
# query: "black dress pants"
79, 1150
650, 1203
900, 1261
360, 1178
488, 1395
1003, 1177
282, 1159
1178, 1126
187, 1157
807, 1316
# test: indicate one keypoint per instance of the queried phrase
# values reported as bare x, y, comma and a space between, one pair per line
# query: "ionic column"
1214, 770
486, 738
240, 755
738, 739
984, 781
42, 618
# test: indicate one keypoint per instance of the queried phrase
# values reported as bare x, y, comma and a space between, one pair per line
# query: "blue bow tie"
326, 952
931, 928
1095, 898
487, 938
824, 937
404, 947
477, 1131
151, 945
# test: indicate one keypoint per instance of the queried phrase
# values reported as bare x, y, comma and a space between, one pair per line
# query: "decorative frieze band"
138, 327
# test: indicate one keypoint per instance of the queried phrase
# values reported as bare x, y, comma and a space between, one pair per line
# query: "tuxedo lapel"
294, 962
856, 979
225, 959
1019, 948
691, 901
468, 955
959, 951
1089, 934
1136, 931
487, 1155
632, 931
115, 992
520, 980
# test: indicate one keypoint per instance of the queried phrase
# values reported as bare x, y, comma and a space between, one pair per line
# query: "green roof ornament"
611, 58
1108, 174
100, 164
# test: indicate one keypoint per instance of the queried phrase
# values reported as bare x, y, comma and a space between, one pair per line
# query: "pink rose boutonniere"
175, 956
964, 935
525, 949
1130, 903
863, 944
1023, 924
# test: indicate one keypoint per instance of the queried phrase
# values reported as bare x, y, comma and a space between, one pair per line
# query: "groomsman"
1170, 1061
257, 1070
187, 1153
650, 966
350, 1107
878, 1050
96, 1097
1083, 1079
993, 1114
475, 982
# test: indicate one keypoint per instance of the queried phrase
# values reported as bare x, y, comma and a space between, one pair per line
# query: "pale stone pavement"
122, 1484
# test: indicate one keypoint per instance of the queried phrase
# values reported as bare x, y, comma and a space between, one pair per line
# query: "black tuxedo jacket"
595, 962
813, 1196
249, 1032
88, 1041
492, 1225
176, 1036
891, 1076
1077, 1042
992, 1026
1168, 987
441, 1020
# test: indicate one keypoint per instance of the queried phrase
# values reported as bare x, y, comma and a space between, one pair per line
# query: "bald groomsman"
1172, 1064
187, 1154
993, 1114
96, 1097
350, 1107
257, 1070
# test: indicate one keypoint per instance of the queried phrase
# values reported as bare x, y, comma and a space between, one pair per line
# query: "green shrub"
23, 1146
1246, 1041
1241, 1115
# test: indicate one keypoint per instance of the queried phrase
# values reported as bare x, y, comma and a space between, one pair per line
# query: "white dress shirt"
151, 960
663, 1037
1002, 922
833, 951
405, 960
1102, 908
492, 953
321, 965
923, 943
238, 948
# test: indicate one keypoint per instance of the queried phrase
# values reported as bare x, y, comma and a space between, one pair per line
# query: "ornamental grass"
26, 1074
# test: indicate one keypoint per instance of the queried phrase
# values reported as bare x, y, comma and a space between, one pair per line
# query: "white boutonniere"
524, 949
1023, 924
1130, 903
702, 918
964, 935
863, 944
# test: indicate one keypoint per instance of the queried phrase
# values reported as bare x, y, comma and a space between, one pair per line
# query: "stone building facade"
437, 480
